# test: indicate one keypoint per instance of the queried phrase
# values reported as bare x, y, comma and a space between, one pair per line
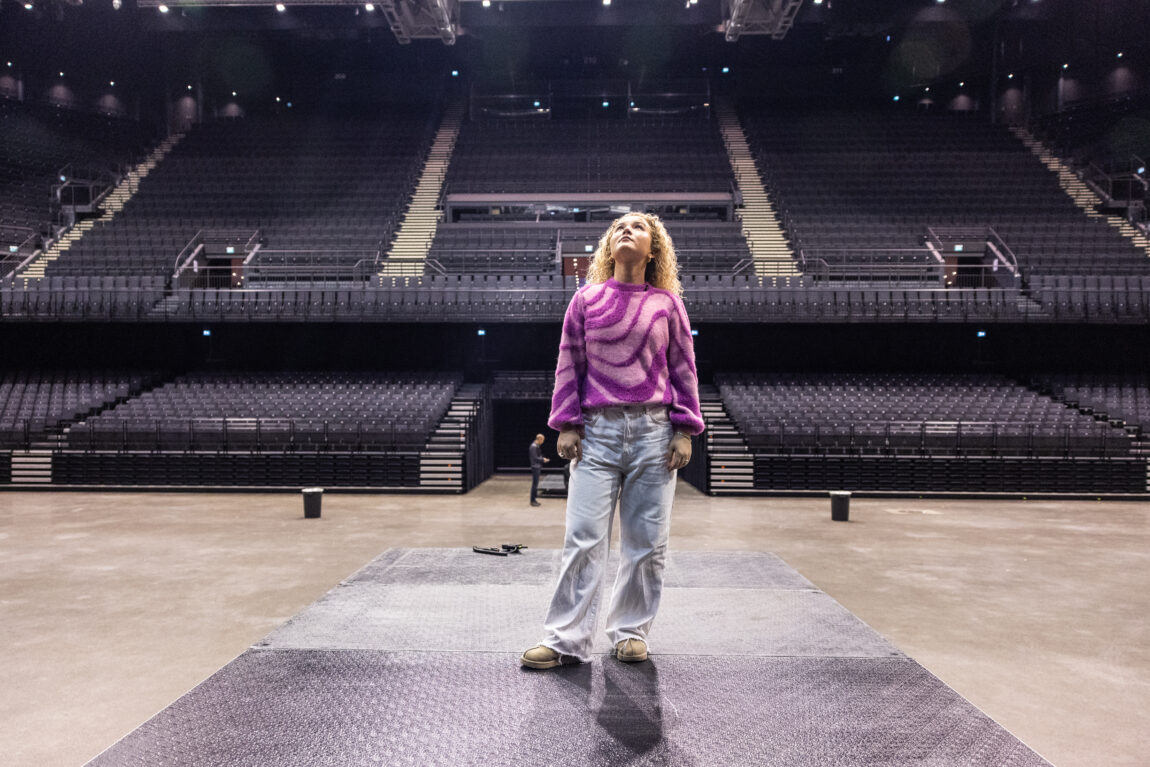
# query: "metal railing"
420, 297
940, 437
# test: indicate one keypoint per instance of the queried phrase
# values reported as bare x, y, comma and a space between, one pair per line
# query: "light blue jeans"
625, 462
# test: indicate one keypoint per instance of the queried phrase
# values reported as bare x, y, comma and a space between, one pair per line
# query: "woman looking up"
626, 404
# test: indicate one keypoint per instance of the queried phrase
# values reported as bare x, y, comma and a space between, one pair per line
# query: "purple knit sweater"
626, 345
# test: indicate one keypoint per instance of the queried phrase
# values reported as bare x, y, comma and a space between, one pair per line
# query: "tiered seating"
494, 248
1120, 399
310, 186
530, 248
37, 141
857, 181
34, 404
910, 414
1099, 297
523, 384
129, 297
639, 154
275, 412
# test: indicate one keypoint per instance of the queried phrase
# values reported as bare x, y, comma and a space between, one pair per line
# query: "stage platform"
414, 661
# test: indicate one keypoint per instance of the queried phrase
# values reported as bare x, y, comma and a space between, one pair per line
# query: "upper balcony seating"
857, 181
308, 184
36, 142
639, 154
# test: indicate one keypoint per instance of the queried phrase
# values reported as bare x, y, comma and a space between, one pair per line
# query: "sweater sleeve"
683, 379
571, 369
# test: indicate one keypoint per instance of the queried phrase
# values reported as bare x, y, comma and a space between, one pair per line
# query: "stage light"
61, 74
726, 70
28, 6
606, 2
981, 334
207, 333
189, 87
112, 83
455, 73
694, 332
1066, 66
895, 98
1010, 76
536, 103
927, 89
116, 5
369, 7
233, 93
281, 7
1119, 54
277, 99
1141, 170
486, 3
163, 9
818, 2
962, 83
481, 332
606, 104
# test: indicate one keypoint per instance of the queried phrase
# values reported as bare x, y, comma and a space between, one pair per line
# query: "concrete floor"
112, 605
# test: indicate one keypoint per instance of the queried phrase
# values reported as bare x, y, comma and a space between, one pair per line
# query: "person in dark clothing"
537, 461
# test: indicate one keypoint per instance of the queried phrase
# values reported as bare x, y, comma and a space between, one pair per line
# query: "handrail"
195, 243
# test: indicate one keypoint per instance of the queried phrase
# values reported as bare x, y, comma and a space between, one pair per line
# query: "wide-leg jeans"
624, 461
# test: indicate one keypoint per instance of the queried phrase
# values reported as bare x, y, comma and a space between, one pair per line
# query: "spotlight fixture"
1119, 54
281, 7
233, 93
112, 83
606, 2
1066, 66
895, 98
28, 6
116, 4
369, 7
163, 9
486, 3
1010, 76
962, 84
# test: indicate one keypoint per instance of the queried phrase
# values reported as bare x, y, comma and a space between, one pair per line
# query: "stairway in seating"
441, 460
33, 466
764, 232
1083, 196
412, 240
731, 466
112, 205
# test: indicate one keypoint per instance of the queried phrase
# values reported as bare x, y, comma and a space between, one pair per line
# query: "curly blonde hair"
662, 270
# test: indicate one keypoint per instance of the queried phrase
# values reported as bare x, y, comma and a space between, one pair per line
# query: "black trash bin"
312, 502
840, 505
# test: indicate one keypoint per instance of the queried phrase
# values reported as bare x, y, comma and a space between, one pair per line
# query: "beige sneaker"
631, 650
544, 657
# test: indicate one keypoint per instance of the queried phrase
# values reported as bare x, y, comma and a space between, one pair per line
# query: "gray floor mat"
334, 708
413, 660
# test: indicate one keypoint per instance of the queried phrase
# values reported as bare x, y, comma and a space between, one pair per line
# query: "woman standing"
626, 404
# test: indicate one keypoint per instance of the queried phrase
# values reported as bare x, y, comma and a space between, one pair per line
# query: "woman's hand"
679, 453
570, 445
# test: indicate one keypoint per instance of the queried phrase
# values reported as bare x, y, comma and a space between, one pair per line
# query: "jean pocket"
659, 415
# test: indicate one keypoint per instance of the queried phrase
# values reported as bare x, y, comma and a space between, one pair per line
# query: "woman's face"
631, 240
